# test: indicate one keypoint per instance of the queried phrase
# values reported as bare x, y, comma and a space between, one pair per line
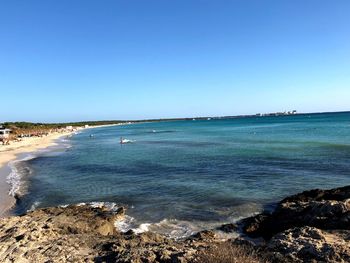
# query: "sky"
72, 60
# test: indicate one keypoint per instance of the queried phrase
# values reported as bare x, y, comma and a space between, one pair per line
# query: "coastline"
10, 153
311, 226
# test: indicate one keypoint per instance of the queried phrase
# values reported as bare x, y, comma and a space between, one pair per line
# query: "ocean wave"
171, 228
123, 225
161, 131
14, 179
177, 229
142, 228
18, 171
113, 207
129, 223
34, 206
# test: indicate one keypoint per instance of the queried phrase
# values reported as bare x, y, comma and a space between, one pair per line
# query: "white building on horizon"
5, 133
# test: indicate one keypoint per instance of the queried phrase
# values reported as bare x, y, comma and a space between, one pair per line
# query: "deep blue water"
194, 173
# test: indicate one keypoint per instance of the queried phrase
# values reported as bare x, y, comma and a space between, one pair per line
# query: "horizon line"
270, 114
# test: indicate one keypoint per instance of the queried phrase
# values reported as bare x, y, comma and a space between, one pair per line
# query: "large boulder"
58, 234
84, 233
324, 209
309, 244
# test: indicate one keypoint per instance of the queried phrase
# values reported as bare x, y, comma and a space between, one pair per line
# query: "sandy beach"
9, 153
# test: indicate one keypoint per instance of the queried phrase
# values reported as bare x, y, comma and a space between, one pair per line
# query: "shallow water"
184, 176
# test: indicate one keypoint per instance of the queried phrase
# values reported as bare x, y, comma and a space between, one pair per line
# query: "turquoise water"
183, 175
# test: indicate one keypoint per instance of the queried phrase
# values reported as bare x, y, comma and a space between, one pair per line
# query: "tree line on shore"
38, 125
20, 130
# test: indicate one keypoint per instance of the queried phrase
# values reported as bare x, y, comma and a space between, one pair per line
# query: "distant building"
86, 126
4, 133
278, 113
70, 128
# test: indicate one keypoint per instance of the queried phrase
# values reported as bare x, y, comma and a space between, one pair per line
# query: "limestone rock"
324, 209
308, 244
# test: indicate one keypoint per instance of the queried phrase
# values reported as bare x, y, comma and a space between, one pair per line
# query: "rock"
81, 233
206, 235
337, 194
228, 228
56, 234
308, 244
324, 209
313, 226
253, 226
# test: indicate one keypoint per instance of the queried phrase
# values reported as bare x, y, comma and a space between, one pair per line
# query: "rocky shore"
313, 226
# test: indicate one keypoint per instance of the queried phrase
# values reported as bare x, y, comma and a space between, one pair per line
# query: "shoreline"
10, 153
311, 226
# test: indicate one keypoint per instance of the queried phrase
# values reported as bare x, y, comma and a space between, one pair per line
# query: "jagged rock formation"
309, 244
324, 209
86, 234
313, 226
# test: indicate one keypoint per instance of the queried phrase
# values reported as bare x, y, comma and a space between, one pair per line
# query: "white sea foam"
125, 224
179, 229
175, 228
14, 179
142, 228
109, 205
129, 223
172, 228
34, 206
65, 143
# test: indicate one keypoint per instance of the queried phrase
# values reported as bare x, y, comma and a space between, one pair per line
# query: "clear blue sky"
70, 60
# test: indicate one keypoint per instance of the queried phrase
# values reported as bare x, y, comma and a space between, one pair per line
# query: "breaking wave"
18, 171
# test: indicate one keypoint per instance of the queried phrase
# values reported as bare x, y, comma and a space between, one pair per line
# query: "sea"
179, 177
